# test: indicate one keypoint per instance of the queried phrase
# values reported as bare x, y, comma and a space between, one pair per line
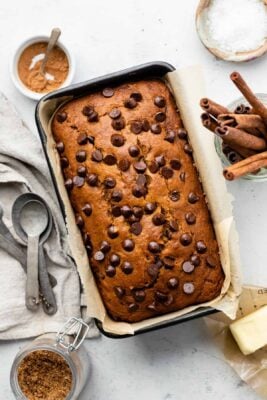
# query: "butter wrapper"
251, 368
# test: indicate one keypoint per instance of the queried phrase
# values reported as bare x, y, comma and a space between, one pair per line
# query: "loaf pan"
53, 101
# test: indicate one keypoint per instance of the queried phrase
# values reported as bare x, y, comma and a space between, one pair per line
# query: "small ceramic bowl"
201, 26
262, 174
14, 66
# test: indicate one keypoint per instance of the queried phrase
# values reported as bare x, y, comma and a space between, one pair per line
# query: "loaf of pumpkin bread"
129, 171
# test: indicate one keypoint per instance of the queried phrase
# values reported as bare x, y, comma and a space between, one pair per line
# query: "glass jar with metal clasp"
68, 344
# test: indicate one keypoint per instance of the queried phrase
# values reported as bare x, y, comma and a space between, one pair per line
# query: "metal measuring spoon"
13, 248
46, 292
48, 296
33, 219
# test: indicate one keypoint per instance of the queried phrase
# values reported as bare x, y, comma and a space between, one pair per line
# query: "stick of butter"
250, 332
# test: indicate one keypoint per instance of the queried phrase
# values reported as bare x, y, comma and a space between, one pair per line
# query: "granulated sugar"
237, 25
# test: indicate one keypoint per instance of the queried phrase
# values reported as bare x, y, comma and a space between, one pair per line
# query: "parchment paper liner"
187, 86
251, 368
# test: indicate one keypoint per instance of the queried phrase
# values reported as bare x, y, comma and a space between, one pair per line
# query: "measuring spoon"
46, 292
49, 300
33, 220
26, 223
14, 249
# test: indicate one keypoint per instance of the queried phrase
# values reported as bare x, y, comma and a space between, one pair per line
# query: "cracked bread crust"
138, 201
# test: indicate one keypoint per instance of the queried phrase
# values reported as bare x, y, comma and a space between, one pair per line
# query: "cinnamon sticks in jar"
243, 132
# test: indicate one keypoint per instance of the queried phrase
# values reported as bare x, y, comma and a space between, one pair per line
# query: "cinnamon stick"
251, 123
248, 165
213, 108
226, 148
244, 152
209, 122
242, 109
231, 154
234, 157
258, 106
234, 136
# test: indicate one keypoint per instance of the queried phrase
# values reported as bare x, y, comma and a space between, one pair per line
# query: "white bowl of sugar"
233, 30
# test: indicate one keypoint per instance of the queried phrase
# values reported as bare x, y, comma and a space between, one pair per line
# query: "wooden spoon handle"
56, 32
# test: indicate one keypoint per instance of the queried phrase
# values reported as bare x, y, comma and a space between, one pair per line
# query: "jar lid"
77, 329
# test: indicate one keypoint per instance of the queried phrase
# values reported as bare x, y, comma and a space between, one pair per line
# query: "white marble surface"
178, 362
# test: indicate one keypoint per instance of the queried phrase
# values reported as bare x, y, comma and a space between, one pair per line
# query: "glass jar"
66, 344
262, 174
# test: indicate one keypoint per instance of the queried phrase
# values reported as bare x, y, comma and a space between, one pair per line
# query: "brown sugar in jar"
44, 375
54, 366
29, 68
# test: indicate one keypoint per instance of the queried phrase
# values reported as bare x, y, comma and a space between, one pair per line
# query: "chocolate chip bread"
138, 201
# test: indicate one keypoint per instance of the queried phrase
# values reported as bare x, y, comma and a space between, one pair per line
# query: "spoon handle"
56, 32
13, 249
32, 285
48, 297
4, 229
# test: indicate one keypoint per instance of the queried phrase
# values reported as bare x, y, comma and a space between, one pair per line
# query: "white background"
179, 362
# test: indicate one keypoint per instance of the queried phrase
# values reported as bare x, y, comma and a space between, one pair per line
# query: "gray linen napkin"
23, 168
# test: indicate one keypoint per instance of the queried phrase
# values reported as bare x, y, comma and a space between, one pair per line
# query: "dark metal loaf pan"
149, 70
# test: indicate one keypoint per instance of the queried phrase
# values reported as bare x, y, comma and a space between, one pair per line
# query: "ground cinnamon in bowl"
29, 68
44, 375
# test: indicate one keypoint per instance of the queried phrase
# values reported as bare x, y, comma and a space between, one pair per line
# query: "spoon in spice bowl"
228, 30
55, 33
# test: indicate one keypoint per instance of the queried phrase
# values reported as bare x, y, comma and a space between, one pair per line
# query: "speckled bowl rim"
14, 66
231, 56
